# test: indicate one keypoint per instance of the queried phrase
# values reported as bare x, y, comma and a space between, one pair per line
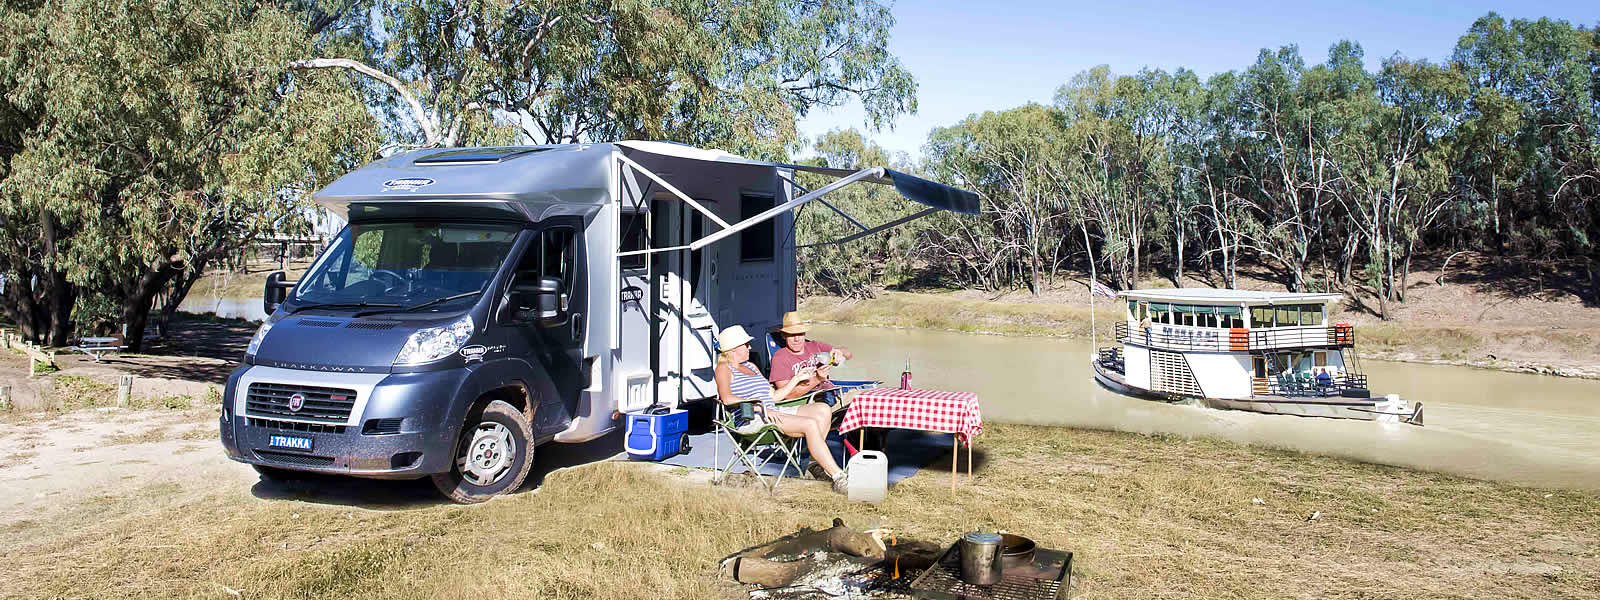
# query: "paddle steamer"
1268, 352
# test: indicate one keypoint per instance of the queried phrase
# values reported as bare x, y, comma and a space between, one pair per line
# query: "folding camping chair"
757, 449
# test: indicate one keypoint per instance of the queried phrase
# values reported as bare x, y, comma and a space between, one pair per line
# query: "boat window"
1311, 314
1260, 317
1288, 316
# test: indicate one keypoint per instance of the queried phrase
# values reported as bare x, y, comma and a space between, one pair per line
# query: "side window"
759, 242
635, 231
550, 255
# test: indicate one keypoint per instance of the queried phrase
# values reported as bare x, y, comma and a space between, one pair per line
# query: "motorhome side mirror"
534, 301
275, 292
547, 301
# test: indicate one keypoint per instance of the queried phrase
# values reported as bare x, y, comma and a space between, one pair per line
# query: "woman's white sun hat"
732, 337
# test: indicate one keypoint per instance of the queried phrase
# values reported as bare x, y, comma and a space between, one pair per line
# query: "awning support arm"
844, 214
830, 205
685, 197
892, 224
787, 206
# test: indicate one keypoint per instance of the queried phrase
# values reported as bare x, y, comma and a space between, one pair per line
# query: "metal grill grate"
310, 323
304, 460
1049, 578
332, 405
293, 426
373, 325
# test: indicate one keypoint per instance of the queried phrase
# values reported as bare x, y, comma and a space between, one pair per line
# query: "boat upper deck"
1221, 320
1228, 297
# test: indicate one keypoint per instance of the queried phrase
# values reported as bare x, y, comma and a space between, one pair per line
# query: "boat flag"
1100, 288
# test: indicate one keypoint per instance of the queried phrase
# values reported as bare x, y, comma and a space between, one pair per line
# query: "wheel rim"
487, 457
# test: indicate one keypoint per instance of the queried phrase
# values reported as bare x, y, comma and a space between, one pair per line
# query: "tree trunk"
136, 303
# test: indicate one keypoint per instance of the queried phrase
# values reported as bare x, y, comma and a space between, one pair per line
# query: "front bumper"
367, 443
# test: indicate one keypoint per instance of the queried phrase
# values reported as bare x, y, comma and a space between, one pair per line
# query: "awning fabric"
1159, 306
1230, 310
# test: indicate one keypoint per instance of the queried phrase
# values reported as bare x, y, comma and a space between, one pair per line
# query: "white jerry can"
868, 477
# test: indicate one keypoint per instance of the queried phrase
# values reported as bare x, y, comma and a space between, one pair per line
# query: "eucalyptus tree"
1534, 118
143, 139
856, 268
729, 73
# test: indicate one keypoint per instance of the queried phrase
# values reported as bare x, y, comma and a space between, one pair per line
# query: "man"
797, 352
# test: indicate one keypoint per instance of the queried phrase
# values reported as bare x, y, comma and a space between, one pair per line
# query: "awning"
936, 196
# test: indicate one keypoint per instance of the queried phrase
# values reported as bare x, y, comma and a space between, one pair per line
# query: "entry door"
557, 345
683, 288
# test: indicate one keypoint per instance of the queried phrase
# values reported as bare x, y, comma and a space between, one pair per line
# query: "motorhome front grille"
374, 325
288, 458
332, 405
1169, 372
293, 426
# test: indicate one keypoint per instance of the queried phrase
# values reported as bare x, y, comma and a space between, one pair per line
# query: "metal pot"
1015, 550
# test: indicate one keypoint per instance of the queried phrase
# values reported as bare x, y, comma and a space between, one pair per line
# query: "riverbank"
1444, 326
1147, 516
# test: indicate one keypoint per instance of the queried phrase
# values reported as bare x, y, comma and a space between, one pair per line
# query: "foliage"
732, 74
144, 139
1333, 176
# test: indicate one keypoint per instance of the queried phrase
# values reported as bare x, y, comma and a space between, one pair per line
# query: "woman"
738, 380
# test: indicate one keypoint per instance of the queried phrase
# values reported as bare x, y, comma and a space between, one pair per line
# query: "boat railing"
1303, 385
1211, 339
1111, 358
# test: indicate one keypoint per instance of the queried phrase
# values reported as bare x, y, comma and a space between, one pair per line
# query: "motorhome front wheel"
493, 455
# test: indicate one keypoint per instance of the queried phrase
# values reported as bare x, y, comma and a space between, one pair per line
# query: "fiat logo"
297, 402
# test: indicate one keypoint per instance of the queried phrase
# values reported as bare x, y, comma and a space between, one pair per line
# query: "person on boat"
1324, 380
797, 353
739, 382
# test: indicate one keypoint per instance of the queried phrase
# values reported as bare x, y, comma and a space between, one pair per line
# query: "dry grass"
1149, 517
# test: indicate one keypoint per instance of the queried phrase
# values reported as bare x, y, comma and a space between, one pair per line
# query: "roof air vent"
476, 156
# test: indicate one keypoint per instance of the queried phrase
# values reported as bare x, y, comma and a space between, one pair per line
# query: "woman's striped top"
750, 387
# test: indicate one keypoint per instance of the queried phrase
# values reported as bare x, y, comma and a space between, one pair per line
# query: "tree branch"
430, 129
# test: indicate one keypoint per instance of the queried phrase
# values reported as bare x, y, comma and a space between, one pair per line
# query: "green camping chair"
757, 449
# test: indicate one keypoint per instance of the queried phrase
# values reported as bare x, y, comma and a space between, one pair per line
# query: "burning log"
781, 562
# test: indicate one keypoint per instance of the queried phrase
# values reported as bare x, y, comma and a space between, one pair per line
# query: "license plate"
290, 441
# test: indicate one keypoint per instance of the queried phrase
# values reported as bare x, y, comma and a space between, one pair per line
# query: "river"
1527, 429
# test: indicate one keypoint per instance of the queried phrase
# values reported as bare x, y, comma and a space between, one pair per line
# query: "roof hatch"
474, 156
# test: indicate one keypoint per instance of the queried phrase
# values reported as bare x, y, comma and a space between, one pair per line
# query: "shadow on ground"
377, 494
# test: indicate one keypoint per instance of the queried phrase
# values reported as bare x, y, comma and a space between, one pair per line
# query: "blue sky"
969, 57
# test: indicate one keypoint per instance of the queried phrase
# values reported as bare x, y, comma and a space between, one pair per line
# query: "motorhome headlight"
255, 341
434, 343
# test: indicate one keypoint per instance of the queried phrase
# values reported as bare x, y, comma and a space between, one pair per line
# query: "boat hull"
1386, 409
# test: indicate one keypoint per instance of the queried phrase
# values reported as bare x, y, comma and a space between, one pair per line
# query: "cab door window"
551, 254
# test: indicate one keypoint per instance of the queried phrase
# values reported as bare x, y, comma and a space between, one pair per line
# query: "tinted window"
635, 231
759, 242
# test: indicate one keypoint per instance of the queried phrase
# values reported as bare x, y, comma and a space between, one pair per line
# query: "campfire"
842, 562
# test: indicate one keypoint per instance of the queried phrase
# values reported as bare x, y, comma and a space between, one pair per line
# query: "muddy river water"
1527, 429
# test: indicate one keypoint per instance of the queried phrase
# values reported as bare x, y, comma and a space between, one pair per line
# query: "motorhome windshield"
407, 264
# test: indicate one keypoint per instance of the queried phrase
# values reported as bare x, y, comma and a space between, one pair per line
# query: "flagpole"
1094, 340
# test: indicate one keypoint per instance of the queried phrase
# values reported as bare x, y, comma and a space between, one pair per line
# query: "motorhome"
481, 302
1258, 351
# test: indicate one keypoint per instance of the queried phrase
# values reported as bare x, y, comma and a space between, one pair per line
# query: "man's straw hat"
792, 323
732, 337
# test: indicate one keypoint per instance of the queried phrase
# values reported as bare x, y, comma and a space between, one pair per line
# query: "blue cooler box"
655, 437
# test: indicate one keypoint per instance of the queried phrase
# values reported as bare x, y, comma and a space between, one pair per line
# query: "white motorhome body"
671, 244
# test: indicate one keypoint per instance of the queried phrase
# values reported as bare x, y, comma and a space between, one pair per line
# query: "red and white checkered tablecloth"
927, 410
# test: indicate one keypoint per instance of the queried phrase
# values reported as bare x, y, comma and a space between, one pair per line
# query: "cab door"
555, 252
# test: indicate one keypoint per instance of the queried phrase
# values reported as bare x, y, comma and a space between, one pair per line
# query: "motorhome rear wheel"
493, 455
